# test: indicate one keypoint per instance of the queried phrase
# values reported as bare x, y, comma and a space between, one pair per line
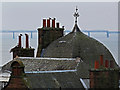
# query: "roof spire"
76, 15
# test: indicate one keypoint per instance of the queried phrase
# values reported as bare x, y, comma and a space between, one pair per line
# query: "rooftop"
45, 64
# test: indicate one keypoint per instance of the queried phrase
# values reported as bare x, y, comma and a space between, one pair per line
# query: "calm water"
8, 42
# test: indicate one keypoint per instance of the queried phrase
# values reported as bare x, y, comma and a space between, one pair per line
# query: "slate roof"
45, 64
54, 80
76, 44
52, 73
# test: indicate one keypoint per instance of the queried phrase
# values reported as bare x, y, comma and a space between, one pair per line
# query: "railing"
98, 31
86, 31
19, 31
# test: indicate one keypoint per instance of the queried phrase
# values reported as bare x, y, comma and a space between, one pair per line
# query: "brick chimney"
48, 35
101, 78
27, 41
104, 78
16, 81
17, 66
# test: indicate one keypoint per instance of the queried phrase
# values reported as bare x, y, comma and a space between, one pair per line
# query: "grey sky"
29, 15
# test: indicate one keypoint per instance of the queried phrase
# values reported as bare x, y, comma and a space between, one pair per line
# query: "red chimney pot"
27, 41
48, 22
53, 23
96, 64
44, 22
19, 44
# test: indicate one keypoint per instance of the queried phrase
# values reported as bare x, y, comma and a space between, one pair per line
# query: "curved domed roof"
77, 44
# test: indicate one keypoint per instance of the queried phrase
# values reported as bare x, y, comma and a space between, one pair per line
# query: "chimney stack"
48, 22
96, 64
57, 24
101, 60
44, 23
19, 44
27, 42
106, 63
53, 23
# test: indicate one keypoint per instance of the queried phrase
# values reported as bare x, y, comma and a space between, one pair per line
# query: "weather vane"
76, 15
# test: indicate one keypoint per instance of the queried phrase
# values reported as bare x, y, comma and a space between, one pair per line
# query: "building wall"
101, 78
23, 52
46, 36
20, 51
16, 81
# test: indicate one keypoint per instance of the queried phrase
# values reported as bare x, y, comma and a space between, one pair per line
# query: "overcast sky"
29, 15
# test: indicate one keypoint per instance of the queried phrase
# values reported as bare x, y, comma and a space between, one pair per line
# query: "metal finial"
76, 15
